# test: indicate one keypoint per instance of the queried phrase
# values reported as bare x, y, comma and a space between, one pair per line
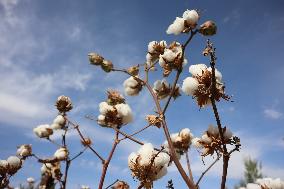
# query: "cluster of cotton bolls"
148, 165
211, 140
114, 111
172, 58
181, 141
10, 166
155, 49
132, 86
199, 84
163, 89
185, 24
265, 183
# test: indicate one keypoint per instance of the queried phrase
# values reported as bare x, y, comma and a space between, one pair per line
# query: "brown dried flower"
114, 97
120, 185
154, 120
63, 104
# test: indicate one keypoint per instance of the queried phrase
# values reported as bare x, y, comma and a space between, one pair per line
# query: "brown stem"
137, 132
105, 165
226, 156
112, 184
188, 166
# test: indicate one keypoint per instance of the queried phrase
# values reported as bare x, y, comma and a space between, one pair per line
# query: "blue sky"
43, 54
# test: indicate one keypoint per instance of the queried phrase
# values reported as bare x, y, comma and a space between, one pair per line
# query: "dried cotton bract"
148, 165
114, 112
162, 89
199, 85
120, 185
185, 24
132, 86
43, 131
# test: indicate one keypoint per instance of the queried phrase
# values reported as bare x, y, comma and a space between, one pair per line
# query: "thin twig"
137, 132
112, 184
80, 153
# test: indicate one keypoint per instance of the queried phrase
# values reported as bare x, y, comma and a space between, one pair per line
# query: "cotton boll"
104, 107
190, 85
218, 74
61, 153
131, 86
30, 180
24, 150
227, 134
124, 111
169, 55
174, 137
205, 138
15, 164
130, 82
186, 134
213, 130
163, 43
43, 131
145, 153
184, 63
4, 165
176, 27
131, 92
253, 186
56, 126
161, 173
101, 120
151, 48
197, 69
46, 168
191, 17
132, 159
59, 120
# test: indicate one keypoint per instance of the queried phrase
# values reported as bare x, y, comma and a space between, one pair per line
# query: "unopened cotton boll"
191, 17
190, 85
197, 69
125, 112
24, 150
61, 153
43, 131
176, 27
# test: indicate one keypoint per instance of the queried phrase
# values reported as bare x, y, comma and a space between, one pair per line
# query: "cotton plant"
167, 60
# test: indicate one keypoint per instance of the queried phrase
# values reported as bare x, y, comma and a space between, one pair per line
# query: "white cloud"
272, 114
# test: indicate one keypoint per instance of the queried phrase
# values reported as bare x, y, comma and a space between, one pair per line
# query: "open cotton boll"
161, 173
46, 167
253, 186
197, 69
4, 165
169, 55
131, 86
55, 126
227, 134
176, 27
161, 159
104, 107
271, 183
131, 92
43, 131
14, 162
30, 180
132, 160
191, 17
205, 138
196, 142
61, 153
59, 120
213, 130
145, 153
185, 133
151, 45
218, 74
189, 86
101, 120
125, 112
24, 150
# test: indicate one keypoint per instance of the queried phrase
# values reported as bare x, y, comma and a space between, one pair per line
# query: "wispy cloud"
272, 113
